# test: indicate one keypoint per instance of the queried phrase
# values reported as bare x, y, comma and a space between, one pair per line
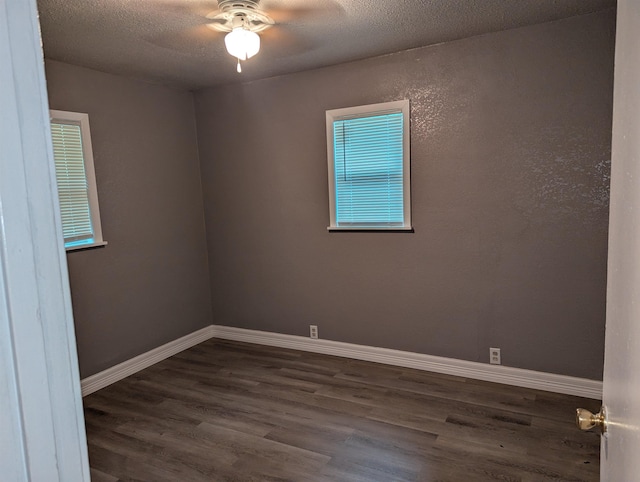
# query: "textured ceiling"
165, 41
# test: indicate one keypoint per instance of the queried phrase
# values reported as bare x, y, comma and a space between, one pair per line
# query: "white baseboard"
118, 372
519, 377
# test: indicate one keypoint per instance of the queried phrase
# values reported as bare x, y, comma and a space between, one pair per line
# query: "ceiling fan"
245, 23
243, 20
282, 24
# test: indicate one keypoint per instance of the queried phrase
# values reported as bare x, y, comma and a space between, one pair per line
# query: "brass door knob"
585, 420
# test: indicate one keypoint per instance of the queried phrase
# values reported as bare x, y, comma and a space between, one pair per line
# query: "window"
369, 174
76, 180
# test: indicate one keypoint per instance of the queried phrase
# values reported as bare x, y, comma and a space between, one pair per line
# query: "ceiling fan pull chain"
238, 68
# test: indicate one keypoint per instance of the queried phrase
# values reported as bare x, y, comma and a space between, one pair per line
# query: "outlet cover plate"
494, 356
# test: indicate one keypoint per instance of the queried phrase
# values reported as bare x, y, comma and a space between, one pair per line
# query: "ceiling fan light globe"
242, 43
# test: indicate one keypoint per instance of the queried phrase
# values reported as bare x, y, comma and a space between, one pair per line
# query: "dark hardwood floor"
226, 411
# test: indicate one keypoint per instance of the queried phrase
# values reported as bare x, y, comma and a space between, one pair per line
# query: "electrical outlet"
494, 356
313, 331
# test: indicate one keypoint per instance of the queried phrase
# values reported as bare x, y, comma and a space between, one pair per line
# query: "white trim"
118, 372
376, 228
519, 377
86, 246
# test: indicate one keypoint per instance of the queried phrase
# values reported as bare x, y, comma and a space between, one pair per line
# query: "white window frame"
400, 106
82, 120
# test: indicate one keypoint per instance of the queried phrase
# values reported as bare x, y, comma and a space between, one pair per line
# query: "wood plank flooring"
226, 411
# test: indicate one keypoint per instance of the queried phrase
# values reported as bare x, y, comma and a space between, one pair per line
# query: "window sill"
79, 247
395, 229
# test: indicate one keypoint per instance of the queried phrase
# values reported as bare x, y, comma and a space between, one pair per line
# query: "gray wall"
510, 142
150, 285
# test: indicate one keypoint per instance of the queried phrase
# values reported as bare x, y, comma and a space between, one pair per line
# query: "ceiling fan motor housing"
234, 13
248, 4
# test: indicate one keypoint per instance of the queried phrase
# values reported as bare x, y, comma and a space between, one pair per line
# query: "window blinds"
73, 191
368, 164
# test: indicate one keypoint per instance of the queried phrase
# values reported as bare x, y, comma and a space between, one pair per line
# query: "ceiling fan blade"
302, 10
211, 20
211, 16
280, 42
197, 7
259, 23
187, 40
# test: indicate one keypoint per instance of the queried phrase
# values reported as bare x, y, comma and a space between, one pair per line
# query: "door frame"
43, 434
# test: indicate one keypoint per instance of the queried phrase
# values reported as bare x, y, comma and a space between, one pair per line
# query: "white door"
620, 456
